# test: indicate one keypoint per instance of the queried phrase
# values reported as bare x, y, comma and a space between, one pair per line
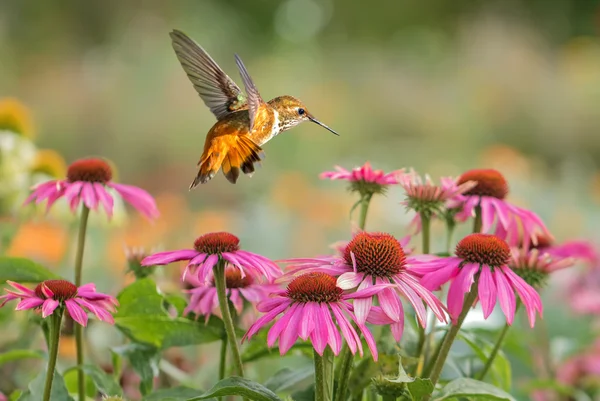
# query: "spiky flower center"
216, 243
89, 170
62, 289
314, 287
489, 183
483, 249
233, 279
376, 254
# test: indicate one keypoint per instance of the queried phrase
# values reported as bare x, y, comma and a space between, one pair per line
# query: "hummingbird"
244, 122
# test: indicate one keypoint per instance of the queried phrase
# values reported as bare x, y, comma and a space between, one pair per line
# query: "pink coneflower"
307, 306
364, 179
422, 195
370, 259
87, 181
534, 266
512, 222
52, 294
581, 250
483, 258
583, 292
208, 250
248, 290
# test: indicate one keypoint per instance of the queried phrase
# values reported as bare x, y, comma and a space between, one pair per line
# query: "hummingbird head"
293, 112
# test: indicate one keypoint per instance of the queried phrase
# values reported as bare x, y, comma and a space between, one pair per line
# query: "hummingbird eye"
301, 111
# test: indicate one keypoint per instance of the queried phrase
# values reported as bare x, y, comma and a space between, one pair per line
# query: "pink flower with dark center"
583, 292
52, 294
480, 258
308, 305
370, 259
87, 181
249, 290
512, 223
364, 179
208, 250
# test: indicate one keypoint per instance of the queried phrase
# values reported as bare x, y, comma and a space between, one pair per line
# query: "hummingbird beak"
314, 120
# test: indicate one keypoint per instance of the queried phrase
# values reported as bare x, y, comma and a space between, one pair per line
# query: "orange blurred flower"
16, 117
41, 240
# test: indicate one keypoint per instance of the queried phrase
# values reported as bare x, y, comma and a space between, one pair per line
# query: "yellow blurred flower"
16, 117
50, 163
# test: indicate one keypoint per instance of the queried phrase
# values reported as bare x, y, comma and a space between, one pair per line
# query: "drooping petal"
29, 303
138, 198
88, 195
76, 312
104, 198
164, 258
459, 288
319, 335
307, 325
506, 295
350, 280
289, 334
48, 307
487, 291
529, 296
334, 339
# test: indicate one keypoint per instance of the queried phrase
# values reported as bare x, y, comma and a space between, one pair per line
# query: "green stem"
53, 356
389, 398
451, 335
494, 352
346, 362
364, 208
322, 387
497, 346
223, 359
85, 213
219, 273
425, 232
449, 234
478, 222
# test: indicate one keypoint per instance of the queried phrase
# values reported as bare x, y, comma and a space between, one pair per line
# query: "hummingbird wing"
220, 94
254, 99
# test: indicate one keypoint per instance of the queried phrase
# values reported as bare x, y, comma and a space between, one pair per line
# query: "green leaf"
180, 393
143, 318
144, 360
104, 382
500, 371
23, 270
287, 378
239, 386
472, 389
420, 388
18, 354
176, 301
36, 388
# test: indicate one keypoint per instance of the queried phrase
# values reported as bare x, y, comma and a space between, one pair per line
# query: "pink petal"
506, 295
48, 307
138, 198
307, 325
389, 302
319, 337
164, 258
76, 312
529, 296
459, 288
350, 280
29, 303
88, 195
104, 198
487, 291
289, 334
334, 339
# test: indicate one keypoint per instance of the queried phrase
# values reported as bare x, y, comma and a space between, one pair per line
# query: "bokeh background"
439, 86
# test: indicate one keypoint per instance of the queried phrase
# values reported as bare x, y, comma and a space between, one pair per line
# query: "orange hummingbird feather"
244, 122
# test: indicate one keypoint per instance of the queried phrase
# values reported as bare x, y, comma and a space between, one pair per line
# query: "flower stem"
52, 357
322, 387
478, 222
425, 229
219, 273
223, 359
85, 213
499, 342
451, 335
346, 362
364, 208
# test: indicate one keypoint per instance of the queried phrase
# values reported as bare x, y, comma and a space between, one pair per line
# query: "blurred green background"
440, 86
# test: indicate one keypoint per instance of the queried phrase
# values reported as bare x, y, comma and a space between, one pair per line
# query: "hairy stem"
346, 362
321, 392
478, 222
56, 318
85, 213
219, 273
364, 208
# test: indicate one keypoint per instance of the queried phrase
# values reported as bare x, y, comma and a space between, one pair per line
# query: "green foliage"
104, 383
35, 390
473, 390
180, 393
239, 386
287, 378
143, 318
500, 371
23, 270
19, 354
144, 361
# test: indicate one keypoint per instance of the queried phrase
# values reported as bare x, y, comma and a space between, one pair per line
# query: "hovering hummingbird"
244, 123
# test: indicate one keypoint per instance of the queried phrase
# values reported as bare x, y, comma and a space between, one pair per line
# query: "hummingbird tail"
233, 154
